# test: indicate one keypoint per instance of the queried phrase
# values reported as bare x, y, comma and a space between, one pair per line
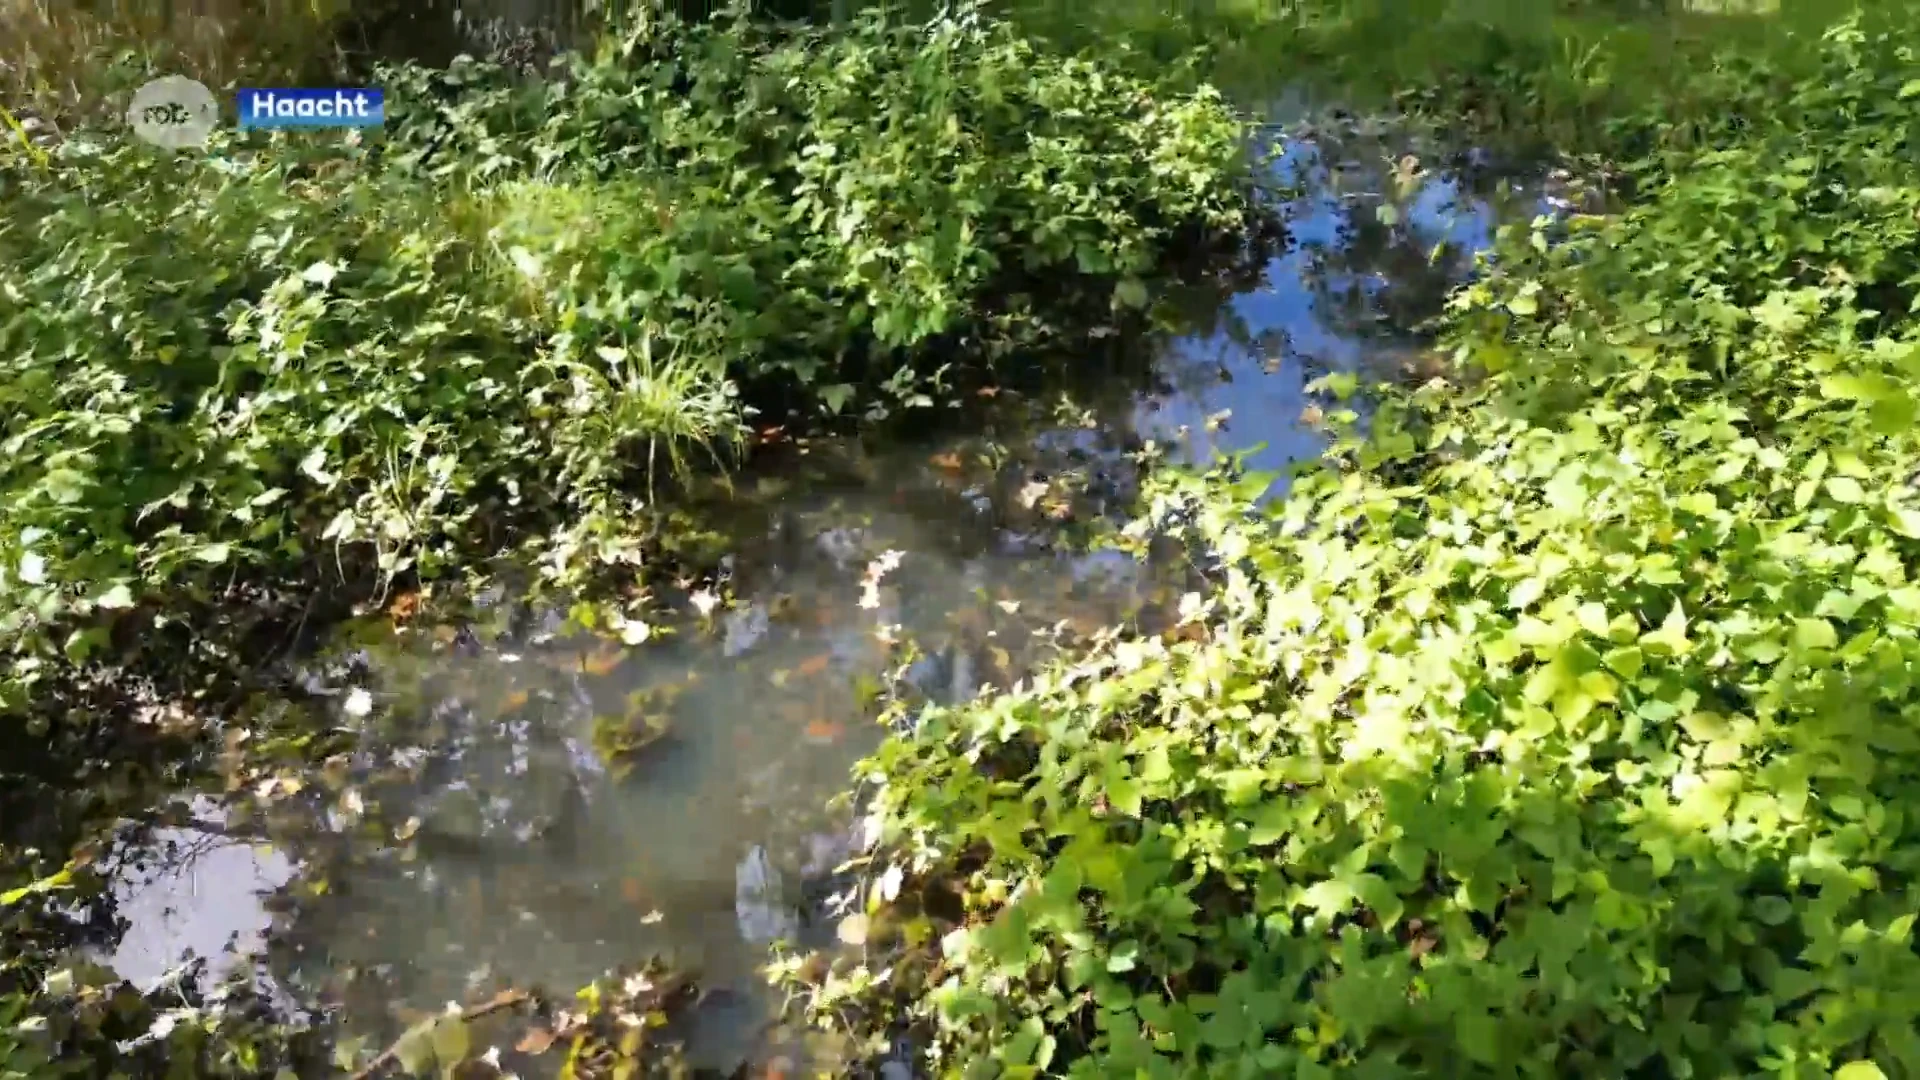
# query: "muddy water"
515, 806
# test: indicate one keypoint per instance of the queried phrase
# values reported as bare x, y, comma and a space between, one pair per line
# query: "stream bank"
511, 802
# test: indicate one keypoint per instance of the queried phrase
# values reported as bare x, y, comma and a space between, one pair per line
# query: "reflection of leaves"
619, 740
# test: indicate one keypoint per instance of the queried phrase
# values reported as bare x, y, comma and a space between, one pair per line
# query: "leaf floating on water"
1009, 606
824, 731
635, 632
948, 461
404, 607
452, 1042
414, 1051
814, 665
359, 703
853, 930
602, 661
347, 1051
536, 1041
886, 563
651, 917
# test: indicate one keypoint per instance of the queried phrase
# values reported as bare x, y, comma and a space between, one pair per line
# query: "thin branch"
505, 999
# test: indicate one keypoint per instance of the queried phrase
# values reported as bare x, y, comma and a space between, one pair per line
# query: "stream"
520, 807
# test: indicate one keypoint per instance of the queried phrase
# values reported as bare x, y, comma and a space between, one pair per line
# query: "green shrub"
296, 359
845, 195
1563, 724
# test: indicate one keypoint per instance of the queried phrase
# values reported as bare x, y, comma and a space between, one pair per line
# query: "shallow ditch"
509, 806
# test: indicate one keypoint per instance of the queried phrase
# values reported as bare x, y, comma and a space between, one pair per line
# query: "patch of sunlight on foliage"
1559, 723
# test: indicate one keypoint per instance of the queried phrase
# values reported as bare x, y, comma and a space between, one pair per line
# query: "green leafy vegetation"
246, 388
289, 361
1559, 723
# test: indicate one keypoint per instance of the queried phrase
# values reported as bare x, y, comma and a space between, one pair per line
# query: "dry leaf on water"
404, 607
602, 661
536, 1041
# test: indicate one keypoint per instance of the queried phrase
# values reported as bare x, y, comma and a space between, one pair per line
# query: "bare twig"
505, 999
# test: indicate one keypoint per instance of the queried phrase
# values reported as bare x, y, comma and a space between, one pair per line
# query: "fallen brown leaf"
602, 662
404, 607
536, 1041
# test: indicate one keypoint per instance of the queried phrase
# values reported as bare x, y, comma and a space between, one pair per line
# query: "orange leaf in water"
949, 461
632, 891
824, 730
535, 1041
602, 662
813, 665
403, 607
515, 700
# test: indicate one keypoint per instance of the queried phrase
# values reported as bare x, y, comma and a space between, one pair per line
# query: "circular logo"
174, 112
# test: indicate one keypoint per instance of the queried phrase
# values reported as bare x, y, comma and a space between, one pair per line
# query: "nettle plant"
843, 200
1562, 724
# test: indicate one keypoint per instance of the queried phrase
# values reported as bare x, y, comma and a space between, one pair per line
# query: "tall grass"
64, 58
1555, 68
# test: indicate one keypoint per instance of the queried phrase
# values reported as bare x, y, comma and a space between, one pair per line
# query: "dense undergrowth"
294, 361
243, 388
1560, 723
